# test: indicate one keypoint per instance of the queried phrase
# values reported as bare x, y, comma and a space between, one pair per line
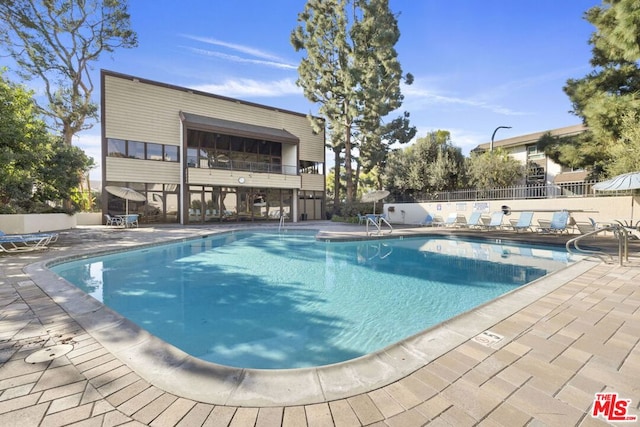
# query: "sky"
477, 64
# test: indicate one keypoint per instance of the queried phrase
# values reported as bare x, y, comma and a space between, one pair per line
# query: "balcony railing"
241, 165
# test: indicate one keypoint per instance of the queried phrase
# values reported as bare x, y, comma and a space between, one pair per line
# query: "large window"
222, 204
217, 151
142, 150
161, 204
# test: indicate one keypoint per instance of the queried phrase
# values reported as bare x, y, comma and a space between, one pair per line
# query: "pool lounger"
25, 242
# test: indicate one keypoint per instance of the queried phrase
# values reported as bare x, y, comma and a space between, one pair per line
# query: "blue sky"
477, 64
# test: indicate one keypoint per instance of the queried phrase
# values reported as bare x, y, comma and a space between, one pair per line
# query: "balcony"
244, 166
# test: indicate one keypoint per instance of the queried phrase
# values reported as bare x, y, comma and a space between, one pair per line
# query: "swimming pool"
269, 300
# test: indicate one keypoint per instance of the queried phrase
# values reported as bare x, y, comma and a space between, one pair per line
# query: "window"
136, 150
171, 153
116, 148
154, 151
310, 167
142, 150
533, 153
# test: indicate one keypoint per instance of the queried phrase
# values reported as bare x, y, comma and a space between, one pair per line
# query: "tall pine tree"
351, 69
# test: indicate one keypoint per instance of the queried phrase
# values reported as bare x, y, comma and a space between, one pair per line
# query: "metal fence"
549, 191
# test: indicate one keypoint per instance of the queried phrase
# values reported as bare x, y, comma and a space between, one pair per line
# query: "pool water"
270, 300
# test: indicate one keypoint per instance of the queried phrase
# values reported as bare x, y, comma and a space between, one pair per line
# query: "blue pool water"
266, 300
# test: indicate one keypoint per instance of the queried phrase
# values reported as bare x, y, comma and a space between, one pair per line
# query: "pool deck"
536, 356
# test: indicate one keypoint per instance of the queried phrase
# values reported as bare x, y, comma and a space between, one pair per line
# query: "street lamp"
494, 134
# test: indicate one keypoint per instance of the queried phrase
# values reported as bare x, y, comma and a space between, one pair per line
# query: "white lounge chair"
559, 222
524, 222
25, 242
455, 220
476, 220
496, 221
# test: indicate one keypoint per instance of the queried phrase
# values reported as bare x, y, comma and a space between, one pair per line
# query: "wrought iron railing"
549, 191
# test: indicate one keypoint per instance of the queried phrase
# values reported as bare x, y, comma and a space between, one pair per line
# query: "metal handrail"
281, 224
377, 223
623, 244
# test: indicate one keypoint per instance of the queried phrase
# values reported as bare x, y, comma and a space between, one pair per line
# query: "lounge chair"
438, 221
25, 242
558, 223
455, 220
496, 221
427, 221
524, 222
586, 227
475, 220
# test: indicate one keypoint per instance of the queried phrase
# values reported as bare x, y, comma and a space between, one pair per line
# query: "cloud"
264, 57
252, 88
234, 58
420, 97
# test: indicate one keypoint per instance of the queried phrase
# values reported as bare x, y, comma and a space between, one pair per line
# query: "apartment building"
540, 170
203, 158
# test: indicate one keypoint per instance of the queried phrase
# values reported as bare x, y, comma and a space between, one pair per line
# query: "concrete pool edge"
178, 373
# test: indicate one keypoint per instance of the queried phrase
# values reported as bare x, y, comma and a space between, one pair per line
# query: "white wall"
602, 209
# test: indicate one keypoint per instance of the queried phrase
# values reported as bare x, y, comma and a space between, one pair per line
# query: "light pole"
494, 134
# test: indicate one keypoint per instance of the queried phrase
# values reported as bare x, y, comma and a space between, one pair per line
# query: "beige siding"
198, 176
312, 182
144, 112
135, 170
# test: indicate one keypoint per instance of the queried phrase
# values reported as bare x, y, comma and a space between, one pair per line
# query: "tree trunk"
336, 179
348, 170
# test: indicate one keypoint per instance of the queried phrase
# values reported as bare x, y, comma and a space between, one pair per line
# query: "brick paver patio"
577, 340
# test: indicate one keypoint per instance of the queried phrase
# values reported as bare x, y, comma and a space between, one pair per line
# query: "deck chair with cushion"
524, 222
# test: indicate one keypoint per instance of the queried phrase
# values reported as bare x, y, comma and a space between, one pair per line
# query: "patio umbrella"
126, 193
627, 181
374, 196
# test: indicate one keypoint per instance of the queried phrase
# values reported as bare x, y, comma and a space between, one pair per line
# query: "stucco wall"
602, 209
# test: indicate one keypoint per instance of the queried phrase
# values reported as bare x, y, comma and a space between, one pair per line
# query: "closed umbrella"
627, 181
374, 196
127, 194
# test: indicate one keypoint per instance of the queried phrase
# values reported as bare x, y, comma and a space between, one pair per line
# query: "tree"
375, 149
351, 67
493, 169
56, 41
430, 165
27, 153
611, 91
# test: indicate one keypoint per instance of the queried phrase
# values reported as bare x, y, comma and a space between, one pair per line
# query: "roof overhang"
228, 127
578, 176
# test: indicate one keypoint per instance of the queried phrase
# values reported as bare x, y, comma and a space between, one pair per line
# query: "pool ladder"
281, 224
377, 222
623, 235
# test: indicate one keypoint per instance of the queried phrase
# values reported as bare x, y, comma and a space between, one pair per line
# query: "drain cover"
49, 353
